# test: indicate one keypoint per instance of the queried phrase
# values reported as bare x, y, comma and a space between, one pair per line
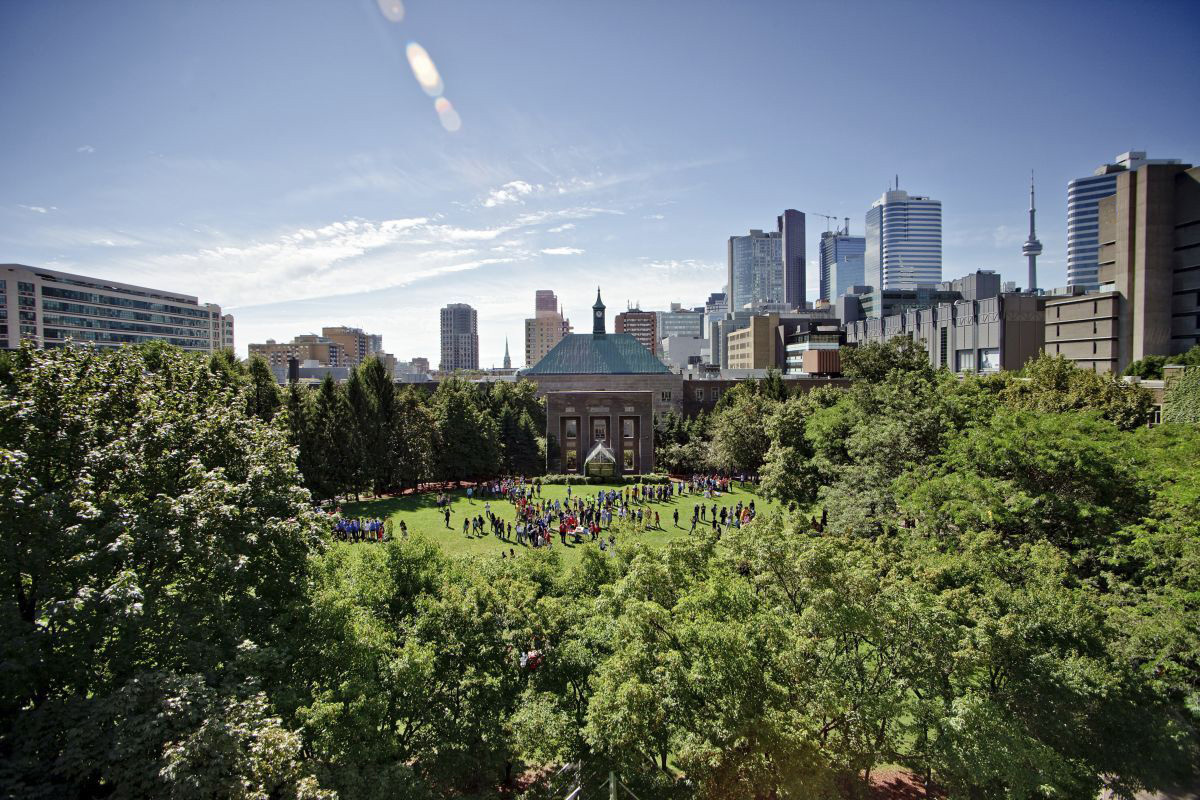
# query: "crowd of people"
582, 516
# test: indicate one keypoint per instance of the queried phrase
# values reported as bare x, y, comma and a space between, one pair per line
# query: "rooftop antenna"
897, 181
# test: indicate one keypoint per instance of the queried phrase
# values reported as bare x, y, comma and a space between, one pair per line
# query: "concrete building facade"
1148, 269
1083, 215
982, 335
459, 338
51, 307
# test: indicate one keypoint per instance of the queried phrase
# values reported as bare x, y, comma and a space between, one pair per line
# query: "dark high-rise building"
460, 338
791, 229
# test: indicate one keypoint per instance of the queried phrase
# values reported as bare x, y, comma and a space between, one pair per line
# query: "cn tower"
1032, 247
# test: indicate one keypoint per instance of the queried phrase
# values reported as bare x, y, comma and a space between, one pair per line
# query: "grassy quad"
421, 514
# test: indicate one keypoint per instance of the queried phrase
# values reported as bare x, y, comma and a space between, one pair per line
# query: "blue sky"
281, 159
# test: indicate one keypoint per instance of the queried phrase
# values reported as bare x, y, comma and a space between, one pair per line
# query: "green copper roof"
585, 354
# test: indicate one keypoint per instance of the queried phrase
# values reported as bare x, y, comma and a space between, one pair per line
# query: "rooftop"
587, 354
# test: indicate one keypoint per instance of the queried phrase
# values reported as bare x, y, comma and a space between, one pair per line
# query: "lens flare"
393, 10
450, 119
424, 70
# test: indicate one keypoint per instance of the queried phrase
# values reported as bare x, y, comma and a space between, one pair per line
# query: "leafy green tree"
1054, 384
1148, 368
739, 434
873, 362
788, 474
151, 534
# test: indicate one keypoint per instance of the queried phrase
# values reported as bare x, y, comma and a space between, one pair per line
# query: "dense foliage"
1002, 597
1151, 367
367, 435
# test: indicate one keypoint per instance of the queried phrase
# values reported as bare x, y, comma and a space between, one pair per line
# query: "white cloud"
560, 228
654, 216
38, 209
511, 192
562, 251
87, 148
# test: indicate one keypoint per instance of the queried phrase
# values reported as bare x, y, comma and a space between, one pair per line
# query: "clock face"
599, 314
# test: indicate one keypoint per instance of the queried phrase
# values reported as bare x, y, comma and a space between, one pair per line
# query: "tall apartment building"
324, 351
841, 263
51, 307
545, 328
358, 345
1083, 215
642, 325
460, 338
1148, 268
790, 225
755, 269
903, 247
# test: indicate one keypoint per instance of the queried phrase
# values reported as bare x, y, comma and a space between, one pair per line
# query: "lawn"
421, 514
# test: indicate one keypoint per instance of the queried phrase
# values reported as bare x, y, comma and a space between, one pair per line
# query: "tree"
414, 438
468, 434
152, 536
377, 425
871, 363
740, 439
1054, 384
788, 474
263, 392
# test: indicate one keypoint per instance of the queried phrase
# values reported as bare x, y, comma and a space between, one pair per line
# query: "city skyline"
338, 197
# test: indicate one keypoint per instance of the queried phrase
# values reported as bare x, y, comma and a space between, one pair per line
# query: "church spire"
507, 359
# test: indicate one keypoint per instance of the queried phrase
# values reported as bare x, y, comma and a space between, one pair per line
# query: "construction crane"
830, 219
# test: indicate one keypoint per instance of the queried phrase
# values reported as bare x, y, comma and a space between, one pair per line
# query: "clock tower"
598, 317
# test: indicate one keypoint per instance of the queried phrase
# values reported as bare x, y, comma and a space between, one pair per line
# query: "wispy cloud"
86, 148
38, 209
560, 228
561, 251
511, 192
654, 216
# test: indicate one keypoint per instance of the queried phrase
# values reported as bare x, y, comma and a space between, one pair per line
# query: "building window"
599, 429
627, 428
699, 394
572, 429
628, 459
715, 393
572, 462
666, 396
1057, 312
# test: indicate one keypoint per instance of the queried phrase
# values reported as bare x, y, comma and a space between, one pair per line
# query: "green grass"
421, 515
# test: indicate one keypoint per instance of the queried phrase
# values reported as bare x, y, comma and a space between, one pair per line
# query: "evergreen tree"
263, 398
